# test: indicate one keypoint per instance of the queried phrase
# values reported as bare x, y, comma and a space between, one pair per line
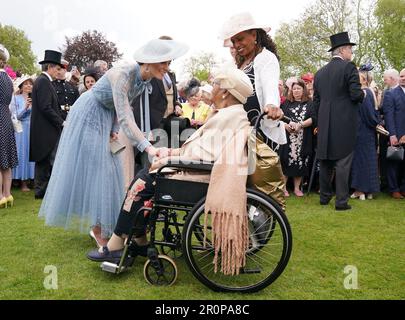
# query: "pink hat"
238, 23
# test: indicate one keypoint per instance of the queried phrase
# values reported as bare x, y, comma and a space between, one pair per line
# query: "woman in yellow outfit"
195, 109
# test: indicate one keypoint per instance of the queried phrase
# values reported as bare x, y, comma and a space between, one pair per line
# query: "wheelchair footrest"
110, 267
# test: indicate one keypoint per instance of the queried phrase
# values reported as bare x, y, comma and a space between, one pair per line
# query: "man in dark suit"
46, 122
160, 114
394, 114
337, 93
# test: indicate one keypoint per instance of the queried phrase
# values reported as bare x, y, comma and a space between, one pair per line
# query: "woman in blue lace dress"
86, 188
20, 108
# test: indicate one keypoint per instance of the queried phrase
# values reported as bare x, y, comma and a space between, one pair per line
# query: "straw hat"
158, 50
238, 23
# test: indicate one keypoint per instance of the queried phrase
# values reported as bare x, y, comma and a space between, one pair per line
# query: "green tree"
21, 56
201, 66
391, 29
303, 43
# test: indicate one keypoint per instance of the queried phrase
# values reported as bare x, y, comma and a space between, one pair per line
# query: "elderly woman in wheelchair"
227, 227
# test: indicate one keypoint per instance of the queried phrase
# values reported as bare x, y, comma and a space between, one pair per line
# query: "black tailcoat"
46, 119
337, 94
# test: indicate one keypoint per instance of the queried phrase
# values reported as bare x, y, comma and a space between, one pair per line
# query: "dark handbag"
395, 153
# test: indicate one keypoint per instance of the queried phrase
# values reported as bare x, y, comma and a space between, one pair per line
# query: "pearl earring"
223, 96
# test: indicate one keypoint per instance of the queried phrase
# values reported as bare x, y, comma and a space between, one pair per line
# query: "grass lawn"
370, 237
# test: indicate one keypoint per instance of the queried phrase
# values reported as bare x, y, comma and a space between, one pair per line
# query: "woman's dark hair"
90, 72
263, 41
192, 87
20, 87
305, 95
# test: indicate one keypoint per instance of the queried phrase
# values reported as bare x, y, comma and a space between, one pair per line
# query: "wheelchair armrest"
189, 165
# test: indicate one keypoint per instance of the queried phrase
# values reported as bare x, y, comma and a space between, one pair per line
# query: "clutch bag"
116, 147
395, 153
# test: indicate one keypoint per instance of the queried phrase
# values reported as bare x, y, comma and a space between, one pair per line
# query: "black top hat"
340, 39
54, 57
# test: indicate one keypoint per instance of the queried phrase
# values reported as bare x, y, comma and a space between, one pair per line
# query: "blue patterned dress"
86, 188
364, 172
8, 149
25, 168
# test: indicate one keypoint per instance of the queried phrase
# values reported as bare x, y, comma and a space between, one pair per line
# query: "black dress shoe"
324, 202
106, 255
343, 207
38, 197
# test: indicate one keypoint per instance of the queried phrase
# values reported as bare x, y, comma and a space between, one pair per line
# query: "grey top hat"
340, 39
158, 50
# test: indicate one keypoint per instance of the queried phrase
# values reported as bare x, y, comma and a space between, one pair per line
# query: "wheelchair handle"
257, 124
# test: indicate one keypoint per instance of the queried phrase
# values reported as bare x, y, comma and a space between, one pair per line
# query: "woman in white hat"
8, 150
256, 55
20, 108
86, 188
222, 140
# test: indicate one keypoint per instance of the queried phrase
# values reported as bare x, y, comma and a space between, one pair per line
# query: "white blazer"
267, 74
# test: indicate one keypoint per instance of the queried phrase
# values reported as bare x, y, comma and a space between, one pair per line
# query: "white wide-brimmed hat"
5, 52
238, 23
236, 82
158, 50
19, 81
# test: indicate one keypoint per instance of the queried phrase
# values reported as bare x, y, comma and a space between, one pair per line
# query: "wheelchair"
176, 227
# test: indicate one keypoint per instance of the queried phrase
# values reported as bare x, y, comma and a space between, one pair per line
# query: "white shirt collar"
403, 89
49, 77
337, 57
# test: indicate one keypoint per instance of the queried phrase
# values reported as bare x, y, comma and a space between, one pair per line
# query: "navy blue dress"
8, 148
364, 167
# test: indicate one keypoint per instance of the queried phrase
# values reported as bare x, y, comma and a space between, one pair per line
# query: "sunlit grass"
370, 237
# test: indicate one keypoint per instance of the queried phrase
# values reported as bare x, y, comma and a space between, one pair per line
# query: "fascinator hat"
4, 52
158, 50
366, 67
238, 23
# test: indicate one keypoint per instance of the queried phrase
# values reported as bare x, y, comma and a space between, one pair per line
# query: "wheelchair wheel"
162, 272
267, 256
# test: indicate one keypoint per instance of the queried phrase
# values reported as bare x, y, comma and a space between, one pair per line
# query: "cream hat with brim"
19, 81
158, 50
236, 82
238, 23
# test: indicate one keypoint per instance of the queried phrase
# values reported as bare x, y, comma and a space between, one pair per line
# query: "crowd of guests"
67, 86
53, 124
370, 172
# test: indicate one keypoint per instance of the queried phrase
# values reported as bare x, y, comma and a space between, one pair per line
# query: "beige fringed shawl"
223, 140
226, 203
